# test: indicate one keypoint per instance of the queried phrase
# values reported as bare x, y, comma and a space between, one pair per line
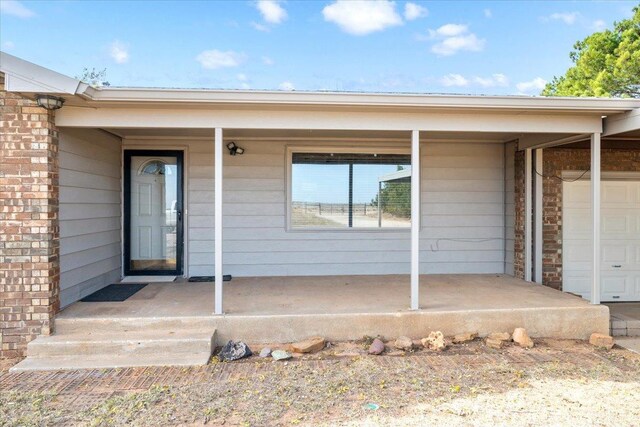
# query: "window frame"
369, 149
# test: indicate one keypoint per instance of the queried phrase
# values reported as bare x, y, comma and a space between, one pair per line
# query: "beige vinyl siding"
90, 206
462, 219
510, 208
462, 208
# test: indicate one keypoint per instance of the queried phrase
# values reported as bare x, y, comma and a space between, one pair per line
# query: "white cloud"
414, 11
452, 45
119, 52
568, 18
271, 11
242, 77
535, 85
15, 8
359, 17
214, 59
286, 86
488, 13
8, 45
260, 27
454, 80
267, 60
599, 25
449, 30
493, 81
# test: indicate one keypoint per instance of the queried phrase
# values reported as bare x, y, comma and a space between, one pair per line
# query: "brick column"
518, 245
29, 230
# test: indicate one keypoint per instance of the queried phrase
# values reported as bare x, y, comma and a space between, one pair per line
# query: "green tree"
395, 198
606, 64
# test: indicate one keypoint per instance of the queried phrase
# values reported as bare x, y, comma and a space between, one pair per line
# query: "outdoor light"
234, 149
49, 102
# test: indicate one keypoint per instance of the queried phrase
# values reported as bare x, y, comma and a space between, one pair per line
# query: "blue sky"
443, 47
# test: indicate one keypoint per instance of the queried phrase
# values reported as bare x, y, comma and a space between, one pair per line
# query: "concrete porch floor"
281, 309
260, 296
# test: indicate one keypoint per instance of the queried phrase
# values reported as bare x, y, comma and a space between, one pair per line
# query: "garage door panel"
614, 254
614, 193
577, 252
620, 240
612, 223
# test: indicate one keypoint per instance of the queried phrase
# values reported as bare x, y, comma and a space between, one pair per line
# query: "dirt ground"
558, 382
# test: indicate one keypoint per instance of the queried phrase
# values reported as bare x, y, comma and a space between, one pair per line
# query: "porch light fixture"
234, 149
49, 102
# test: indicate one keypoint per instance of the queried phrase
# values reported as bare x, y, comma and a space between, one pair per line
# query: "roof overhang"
26, 77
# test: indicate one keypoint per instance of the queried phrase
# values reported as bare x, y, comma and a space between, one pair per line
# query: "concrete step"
176, 341
54, 363
112, 343
65, 325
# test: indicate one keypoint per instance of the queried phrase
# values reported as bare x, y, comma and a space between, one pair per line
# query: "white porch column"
527, 215
595, 218
538, 241
218, 152
415, 220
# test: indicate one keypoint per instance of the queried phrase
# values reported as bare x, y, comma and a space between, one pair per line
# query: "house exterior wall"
29, 243
90, 212
462, 215
555, 161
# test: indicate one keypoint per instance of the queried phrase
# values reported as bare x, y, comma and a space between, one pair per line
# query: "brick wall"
555, 161
29, 233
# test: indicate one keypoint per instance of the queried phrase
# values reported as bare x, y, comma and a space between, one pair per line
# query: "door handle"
179, 215
616, 266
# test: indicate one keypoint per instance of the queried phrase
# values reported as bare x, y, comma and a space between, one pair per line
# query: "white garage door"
620, 254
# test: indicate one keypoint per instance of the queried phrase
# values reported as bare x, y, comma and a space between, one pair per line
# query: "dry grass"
577, 385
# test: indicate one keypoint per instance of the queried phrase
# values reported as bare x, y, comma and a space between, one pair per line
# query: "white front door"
620, 228
153, 213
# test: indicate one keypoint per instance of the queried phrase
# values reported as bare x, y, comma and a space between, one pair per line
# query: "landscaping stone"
435, 341
521, 338
403, 343
494, 343
234, 350
466, 337
281, 355
376, 347
601, 340
310, 345
265, 352
501, 336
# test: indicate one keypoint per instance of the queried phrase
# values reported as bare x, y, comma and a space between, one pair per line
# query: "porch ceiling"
311, 134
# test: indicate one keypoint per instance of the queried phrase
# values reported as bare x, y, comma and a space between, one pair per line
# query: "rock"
403, 343
521, 338
265, 352
501, 336
376, 347
601, 340
494, 343
280, 355
234, 350
466, 337
308, 346
435, 341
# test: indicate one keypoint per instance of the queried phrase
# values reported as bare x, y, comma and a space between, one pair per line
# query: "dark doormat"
226, 278
116, 292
